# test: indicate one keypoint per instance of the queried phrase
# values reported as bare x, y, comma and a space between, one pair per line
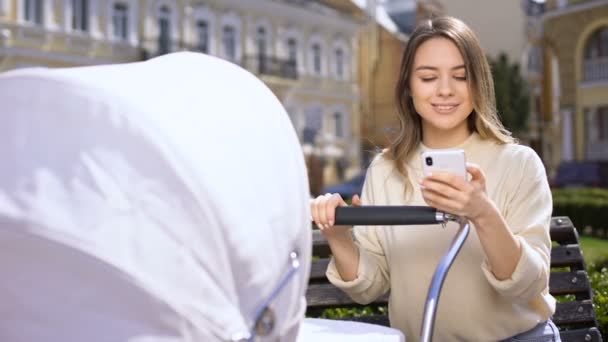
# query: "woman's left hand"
453, 194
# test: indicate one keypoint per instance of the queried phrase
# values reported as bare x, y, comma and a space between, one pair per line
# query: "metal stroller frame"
413, 215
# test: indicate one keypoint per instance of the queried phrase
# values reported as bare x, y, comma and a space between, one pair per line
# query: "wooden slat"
579, 312
320, 247
563, 283
567, 256
317, 271
564, 234
578, 335
327, 296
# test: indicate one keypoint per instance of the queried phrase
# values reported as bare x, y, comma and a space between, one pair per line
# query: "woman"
497, 288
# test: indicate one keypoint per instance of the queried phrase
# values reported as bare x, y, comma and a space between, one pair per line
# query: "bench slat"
577, 312
564, 283
587, 335
567, 256
328, 296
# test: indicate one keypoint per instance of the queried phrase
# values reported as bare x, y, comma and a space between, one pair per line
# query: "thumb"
356, 201
475, 171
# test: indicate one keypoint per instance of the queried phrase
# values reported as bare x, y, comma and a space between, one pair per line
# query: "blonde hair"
484, 118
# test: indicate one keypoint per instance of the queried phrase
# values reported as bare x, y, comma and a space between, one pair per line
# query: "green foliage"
354, 312
512, 98
598, 275
586, 207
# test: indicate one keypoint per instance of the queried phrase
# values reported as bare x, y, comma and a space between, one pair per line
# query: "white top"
181, 175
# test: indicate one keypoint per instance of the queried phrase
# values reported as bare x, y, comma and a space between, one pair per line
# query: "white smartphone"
452, 161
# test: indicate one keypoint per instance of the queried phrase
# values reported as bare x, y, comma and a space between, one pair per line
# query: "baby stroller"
134, 207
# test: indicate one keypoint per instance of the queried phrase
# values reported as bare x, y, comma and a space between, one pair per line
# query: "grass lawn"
594, 249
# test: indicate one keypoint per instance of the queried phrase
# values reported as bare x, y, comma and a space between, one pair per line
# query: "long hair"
483, 119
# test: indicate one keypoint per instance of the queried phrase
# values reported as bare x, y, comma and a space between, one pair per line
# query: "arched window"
33, 11
339, 63
120, 20
202, 32
316, 58
339, 125
261, 49
229, 42
261, 41
313, 122
292, 50
80, 15
596, 56
164, 30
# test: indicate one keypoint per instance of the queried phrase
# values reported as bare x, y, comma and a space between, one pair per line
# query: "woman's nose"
444, 87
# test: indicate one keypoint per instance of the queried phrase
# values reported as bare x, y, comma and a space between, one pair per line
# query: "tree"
512, 97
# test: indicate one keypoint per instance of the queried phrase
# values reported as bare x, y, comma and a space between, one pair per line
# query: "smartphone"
452, 161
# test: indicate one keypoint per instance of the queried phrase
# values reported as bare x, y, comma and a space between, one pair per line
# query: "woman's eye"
428, 79
461, 78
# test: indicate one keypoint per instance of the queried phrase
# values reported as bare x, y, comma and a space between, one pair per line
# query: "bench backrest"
568, 282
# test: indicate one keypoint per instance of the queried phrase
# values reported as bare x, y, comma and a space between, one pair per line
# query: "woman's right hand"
323, 210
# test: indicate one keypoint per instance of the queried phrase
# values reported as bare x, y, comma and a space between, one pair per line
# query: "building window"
595, 63
120, 20
229, 42
202, 29
602, 124
261, 41
316, 58
339, 125
164, 30
292, 50
33, 11
340, 63
313, 122
80, 15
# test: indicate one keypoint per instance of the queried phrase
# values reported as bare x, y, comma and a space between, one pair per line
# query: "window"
261, 41
316, 59
339, 63
597, 46
33, 11
602, 123
164, 30
595, 64
313, 121
80, 15
202, 29
120, 15
229, 42
339, 125
292, 50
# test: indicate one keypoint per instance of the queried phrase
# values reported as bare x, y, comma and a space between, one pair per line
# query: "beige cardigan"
474, 305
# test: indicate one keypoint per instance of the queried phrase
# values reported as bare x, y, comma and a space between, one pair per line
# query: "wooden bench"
569, 283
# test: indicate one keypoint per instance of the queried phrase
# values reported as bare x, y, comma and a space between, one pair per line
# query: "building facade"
61, 33
305, 51
575, 79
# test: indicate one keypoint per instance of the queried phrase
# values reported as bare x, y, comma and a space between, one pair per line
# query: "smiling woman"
499, 285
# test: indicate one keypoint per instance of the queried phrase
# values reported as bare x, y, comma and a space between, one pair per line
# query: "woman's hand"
453, 194
323, 210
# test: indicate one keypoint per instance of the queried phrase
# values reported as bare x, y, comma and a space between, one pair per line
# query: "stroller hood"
180, 176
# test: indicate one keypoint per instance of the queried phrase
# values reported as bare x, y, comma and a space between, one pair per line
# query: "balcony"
271, 66
595, 69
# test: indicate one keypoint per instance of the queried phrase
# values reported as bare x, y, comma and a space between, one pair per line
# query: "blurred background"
334, 65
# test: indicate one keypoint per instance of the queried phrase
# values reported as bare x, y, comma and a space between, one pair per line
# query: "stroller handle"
413, 215
387, 215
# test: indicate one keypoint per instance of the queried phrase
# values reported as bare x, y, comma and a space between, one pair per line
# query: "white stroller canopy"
181, 175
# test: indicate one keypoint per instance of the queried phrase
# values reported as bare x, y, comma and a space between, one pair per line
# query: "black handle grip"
377, 215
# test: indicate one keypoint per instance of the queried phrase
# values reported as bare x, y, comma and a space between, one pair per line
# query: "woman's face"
440, 89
